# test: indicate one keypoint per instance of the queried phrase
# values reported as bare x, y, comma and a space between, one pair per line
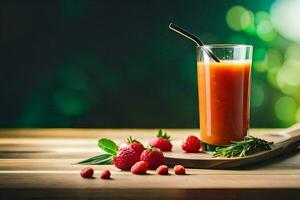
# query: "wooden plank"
43, 165
149, 194
39, 163
96, 133
287, 162
127, 180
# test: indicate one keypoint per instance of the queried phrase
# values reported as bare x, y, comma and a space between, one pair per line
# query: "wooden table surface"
40, 164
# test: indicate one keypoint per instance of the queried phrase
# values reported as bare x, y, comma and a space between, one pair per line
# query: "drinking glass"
224, 93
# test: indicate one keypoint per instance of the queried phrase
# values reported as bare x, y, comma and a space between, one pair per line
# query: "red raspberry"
191, 144
134, 144
140, 167
126, 158
153, 156
87, 172
162, 170
162, 141
179, 170
105, 174
139, 148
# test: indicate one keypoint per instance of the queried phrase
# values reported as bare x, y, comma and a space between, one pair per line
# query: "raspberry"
87, 172
162, 170
162, 141
191, 144
140, 167
153, 156
179, 170
137, 147
105, 174
126, 158
134, 144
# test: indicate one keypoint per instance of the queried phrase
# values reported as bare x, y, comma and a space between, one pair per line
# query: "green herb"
249, 145
108, 146
162, 134
103, 159
111, 150
131, 140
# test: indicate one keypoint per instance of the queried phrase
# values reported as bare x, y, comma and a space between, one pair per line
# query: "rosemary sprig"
249, 145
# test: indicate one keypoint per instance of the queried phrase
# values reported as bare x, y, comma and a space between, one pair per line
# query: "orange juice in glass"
224, 94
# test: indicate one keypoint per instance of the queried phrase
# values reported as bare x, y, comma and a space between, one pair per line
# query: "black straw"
194, 38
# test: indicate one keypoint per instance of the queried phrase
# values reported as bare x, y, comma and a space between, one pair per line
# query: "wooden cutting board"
283, 142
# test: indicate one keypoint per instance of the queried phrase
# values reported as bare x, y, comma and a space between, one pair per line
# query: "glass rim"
226, 46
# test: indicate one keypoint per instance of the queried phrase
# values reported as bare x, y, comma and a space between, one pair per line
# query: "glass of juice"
224, 94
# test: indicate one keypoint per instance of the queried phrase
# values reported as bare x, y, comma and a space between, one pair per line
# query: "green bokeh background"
87, 63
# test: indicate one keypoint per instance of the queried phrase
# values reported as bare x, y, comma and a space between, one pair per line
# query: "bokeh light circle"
274, 58
265, 31
285, 17
293, 52
285, 109
274, 61
247, 20
264, 28
272, 76
288, 76
69, 103
260, 62
234, 17
297, 117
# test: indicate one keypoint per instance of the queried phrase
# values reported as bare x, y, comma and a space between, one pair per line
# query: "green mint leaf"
108, 146
103, 159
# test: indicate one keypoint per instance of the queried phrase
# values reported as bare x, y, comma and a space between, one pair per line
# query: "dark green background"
88, 63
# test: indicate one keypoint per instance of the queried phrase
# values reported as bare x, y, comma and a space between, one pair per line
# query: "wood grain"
39, 164
284, 141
